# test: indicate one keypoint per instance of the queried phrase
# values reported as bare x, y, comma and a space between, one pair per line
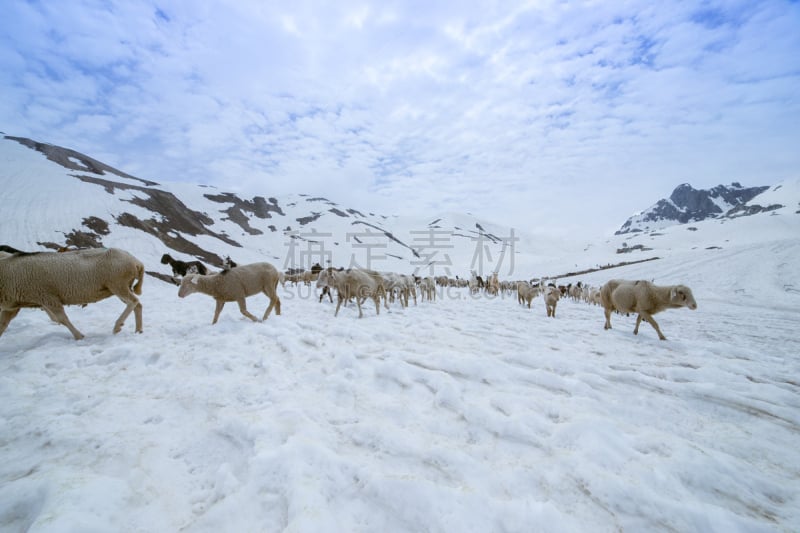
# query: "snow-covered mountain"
65, 198
687, 204
56, 197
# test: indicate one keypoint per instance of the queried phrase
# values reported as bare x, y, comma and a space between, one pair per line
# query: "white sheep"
551, 296
51, 280
493, 284
235, 285
353, 283
526, 293
394, 285
401, 285
594, 297
410, 287
644, 298
427, 287
307, 276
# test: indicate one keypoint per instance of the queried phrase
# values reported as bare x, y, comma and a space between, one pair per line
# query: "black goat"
181, 268
10, 250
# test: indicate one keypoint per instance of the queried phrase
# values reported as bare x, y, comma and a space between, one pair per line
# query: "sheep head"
326, 279
681, 296
188, 285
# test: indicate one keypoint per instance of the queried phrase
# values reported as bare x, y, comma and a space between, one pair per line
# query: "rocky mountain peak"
687, 204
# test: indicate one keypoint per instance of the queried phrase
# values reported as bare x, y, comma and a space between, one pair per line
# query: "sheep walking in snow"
427, 287
526, 293
235, 285
51, 280
353, 283
551, 296
644, 298
493, 285
401, 285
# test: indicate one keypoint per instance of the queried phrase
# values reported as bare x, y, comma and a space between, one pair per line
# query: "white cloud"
557, 114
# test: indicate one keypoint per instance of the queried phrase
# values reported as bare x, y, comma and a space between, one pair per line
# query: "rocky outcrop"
687, 204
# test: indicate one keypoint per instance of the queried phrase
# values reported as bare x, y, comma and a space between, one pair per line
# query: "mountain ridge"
206, 223
68, 199
687, 204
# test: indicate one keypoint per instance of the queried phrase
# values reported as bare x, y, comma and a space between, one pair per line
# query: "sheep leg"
649, 318
137, 315
217, 311
57, 311
339, 303
274, 302
326, 290
131, 305
49, 314
607, 312
6, 316
243, 309
360, 312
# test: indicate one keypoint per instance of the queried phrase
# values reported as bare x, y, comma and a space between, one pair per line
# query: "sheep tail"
137, 287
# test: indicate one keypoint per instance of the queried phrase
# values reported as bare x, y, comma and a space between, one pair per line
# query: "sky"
541, 115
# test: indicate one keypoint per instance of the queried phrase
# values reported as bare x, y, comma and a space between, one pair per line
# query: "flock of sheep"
51, 280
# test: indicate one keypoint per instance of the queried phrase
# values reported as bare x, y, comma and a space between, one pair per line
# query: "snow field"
461, 414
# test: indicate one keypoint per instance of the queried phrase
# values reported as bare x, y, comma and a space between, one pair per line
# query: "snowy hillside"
66, 198
468, 413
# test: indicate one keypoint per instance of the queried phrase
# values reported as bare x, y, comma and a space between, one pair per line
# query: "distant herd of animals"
51, 280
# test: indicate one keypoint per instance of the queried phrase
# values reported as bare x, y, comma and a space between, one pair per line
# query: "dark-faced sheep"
51, 280
227, 264
235, 285
644, 298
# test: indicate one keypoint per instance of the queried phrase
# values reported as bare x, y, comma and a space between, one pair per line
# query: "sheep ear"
673, 294
193, 279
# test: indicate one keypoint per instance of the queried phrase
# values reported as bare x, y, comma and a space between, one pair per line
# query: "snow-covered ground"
464, 414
